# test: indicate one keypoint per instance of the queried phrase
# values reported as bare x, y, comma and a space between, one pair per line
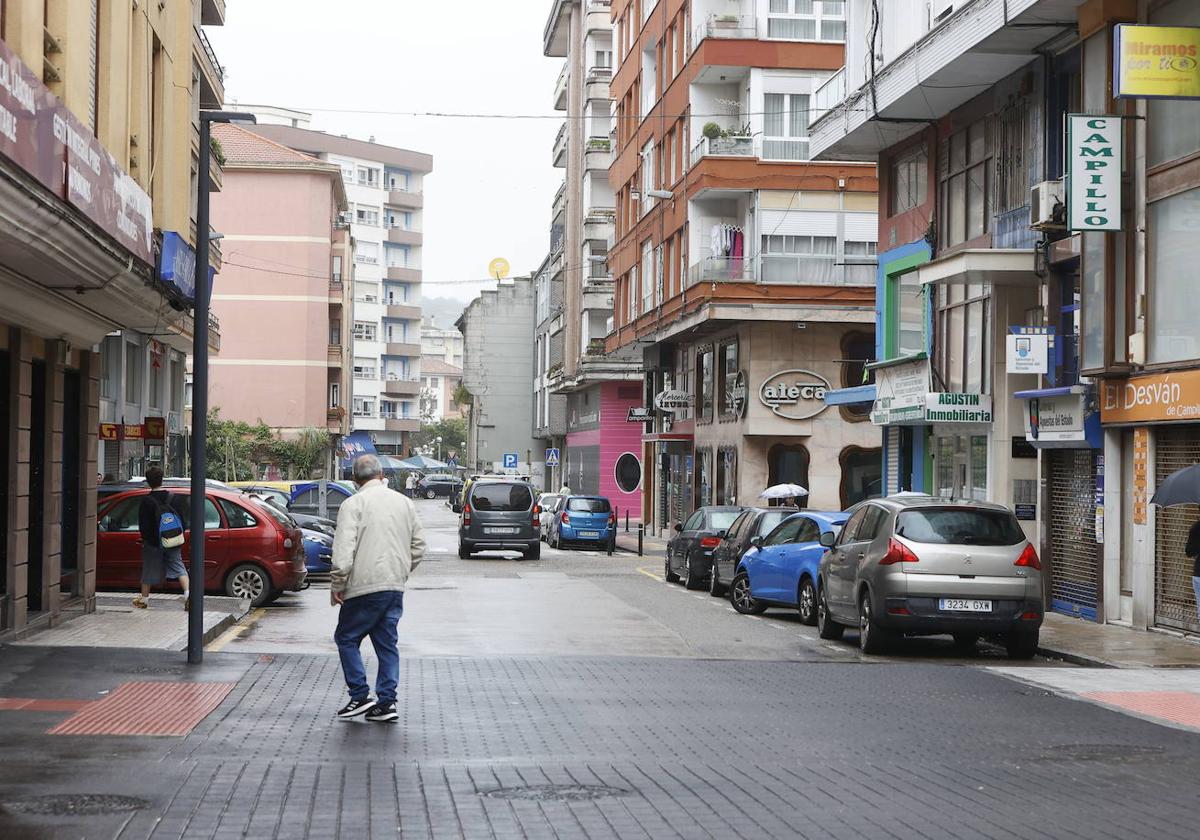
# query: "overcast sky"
492, 186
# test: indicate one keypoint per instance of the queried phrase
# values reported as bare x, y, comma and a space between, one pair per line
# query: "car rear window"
722, 519
501, 497
959, 526
588, 505
275, 513
770, 519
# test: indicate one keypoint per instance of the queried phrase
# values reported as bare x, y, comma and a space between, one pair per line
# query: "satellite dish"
498, 268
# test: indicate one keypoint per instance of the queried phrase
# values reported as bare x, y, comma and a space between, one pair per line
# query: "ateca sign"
794, 394
1093, 172
1156, 62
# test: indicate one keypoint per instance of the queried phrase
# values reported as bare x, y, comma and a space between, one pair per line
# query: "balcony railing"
722, 270
785, 270
723, 147
598, 144
830, 93
725, 26
211, 55
599, 73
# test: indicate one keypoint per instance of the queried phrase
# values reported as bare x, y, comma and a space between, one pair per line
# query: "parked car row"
906, 565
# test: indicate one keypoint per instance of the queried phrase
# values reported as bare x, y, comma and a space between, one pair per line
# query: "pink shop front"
603, 454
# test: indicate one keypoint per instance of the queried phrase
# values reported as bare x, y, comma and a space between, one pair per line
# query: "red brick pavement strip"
147, 708
1182, 707
29, 704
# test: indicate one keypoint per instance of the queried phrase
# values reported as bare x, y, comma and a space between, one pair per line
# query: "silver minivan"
920, 565
500, 515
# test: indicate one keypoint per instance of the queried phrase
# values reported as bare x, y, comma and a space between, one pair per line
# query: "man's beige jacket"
379, 542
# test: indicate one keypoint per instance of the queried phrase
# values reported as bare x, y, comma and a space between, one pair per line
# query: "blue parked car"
780, 569
583, 519
318, 551
306, 497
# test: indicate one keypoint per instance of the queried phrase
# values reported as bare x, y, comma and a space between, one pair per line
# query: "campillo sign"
1093, 172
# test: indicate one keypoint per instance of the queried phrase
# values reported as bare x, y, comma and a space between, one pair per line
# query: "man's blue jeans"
375, 615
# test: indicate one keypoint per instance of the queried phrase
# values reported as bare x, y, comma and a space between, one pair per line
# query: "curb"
1076, 658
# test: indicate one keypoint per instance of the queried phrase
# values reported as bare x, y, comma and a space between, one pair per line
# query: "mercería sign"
1146, 399
43, 137
794, 394
673, 401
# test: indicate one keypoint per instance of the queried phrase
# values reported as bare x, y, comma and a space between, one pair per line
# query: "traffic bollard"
641, 530
626, 520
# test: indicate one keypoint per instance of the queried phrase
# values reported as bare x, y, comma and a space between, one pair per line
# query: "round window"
628, 472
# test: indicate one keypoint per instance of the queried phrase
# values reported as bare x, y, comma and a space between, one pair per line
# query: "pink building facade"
280, 296
603, 454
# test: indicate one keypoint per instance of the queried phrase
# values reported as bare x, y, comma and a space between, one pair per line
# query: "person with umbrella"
1192, 550
1183, 488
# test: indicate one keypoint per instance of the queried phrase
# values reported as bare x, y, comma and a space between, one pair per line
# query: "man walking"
410, 485
158, 562
379, 541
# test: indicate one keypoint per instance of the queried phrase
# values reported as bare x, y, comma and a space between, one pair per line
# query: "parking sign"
510, 460
552, 458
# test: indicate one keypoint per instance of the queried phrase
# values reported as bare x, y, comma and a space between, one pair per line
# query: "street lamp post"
439, 443
200, 381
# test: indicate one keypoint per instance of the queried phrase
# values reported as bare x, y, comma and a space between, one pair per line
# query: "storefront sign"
177, 265
794, 394
1146, 399
110, 431
735, 395
45, 139
900, 392
1028, 353
673, 401
943, 407
1160, 62
155, 428
1063, 421
132, 431
1093, 172
640, 414
1141, 461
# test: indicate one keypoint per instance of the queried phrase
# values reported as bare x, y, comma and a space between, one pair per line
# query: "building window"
906, 333
704, 381
366, 215
364, 369
628, 473
648, 181
860, 262
335, 394
134, 357
799, 259
726, 485
962, 339
336, 269
727, 369
703, 477
365, 330
368, 176
862, 475
1012, 157
965, 206
364, 406
110, 366
858, 350
785, 126
1174, 304
648, 279
787, 463
807, 20
176, 385
156, 381
909, 185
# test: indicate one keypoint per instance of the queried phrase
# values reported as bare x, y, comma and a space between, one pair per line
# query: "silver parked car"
919, 565
549, 503
500, 515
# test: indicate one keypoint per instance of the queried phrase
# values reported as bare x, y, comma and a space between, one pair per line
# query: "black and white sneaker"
355, 708
383, 714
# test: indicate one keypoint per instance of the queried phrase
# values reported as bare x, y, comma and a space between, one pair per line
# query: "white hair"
366, 467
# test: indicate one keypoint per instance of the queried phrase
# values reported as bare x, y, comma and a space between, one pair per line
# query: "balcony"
722, 270
597, 153
403, 312
212, 74
598, 80
559, 158
722, 147
560, 89
401, 274
399, 387
337, 292
725, 26
216, 174
598, 223
212, 12
830, 93
335, 356
401, 236
404, 198
400, 348
560, 202
401, 424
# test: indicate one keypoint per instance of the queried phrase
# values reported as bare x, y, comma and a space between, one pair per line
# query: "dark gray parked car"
919, 565
754, 522
690, 551
500, 516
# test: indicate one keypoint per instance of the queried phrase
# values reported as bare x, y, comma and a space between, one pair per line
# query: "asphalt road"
580, 696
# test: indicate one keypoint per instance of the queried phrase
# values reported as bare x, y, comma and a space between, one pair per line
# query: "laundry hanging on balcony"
727, 241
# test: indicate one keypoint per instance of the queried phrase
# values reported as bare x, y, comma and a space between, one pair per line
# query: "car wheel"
827, 628
871, 638
464, 553
533, 553
249, 581
1021, 644
806, 602
668, 575
715, 587
965, 642
431, 493
740, 597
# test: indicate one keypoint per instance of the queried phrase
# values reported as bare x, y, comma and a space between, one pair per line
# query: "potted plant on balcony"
595, 347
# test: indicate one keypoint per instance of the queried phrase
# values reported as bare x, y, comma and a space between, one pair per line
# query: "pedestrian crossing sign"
552, 458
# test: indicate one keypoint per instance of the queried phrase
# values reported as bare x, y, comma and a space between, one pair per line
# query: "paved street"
579, 696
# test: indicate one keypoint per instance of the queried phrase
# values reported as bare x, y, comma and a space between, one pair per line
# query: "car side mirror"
678, 528
828, 538
756, 541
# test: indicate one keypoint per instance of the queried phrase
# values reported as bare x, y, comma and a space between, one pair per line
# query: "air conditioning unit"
939, 10
1046, 209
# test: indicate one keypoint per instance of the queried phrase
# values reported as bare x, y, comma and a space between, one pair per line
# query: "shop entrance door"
1074, 561
1127, 545
5, 483
37, 489
1174, 599
960, 464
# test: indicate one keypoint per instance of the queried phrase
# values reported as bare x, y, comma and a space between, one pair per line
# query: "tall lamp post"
200, 381
439, 443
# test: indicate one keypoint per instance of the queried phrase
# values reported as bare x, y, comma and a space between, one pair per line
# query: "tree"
235, 448
303, 456
452, 431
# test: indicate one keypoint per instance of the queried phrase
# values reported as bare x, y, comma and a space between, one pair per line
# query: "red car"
250, 550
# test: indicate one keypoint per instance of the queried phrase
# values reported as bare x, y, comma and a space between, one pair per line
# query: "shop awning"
858, 395
1041, 393
997, 266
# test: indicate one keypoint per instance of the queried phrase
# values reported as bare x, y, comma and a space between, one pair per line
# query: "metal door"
1074, 561
1174, 599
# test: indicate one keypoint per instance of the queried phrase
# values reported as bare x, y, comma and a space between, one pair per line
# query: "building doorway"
37, 490
787, 463
72, 475
6, 417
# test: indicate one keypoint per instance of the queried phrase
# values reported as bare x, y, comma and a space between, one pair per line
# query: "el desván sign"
1153, 398
1093, 172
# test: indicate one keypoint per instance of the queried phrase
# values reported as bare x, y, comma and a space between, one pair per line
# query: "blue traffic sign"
552, 457
510, 460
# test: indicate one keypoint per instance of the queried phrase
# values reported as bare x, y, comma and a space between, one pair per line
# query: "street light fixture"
204, 237
439, 443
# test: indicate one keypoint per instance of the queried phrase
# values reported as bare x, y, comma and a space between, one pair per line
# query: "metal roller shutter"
892, 442
1074, 553
1174, 600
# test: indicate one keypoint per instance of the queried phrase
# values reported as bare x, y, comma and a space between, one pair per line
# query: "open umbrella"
783, 491
1179, 488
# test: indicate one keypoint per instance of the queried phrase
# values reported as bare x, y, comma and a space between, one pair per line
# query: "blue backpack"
170, 527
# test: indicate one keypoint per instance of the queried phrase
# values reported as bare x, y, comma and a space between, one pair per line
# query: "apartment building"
549, 406
744, 270
590, 374
1065, 340
279, 213
440, 343
96, 271
439, 386
385, 195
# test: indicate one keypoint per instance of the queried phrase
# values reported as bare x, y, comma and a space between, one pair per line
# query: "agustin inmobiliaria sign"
1093, 172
